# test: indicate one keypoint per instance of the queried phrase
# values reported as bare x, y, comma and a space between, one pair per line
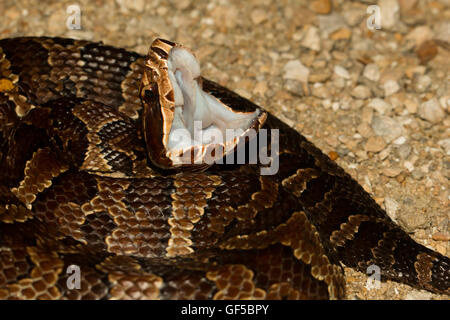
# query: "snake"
119, 180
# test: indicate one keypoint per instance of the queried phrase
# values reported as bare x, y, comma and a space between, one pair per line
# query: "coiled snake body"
88, 181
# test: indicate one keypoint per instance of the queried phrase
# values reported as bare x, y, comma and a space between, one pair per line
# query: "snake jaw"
185, 125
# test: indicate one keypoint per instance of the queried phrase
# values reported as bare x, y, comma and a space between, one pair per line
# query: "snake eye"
149, 93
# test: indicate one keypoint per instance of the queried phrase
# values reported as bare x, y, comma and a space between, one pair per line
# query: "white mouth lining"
199, 118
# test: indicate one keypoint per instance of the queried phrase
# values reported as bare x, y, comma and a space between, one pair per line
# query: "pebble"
295, 70
260, 88
225, 16
326, 103
320, 91
386, 127
183, 4
321, 6
411, 105
258, 16
125, 6
81, 35
321, 75
389, 13
341, 72
422, 83
413, 220
408, 165
445, 102
340, 34
354, 16
419, 35
431, 111
375, 144
311, 39
364, 130
413, 71
445, 143
392, 172
390, 87
427, 51
402, 151
400, 140
418, 295
384, 153
391, 207
441, 236
406, 5
379, 105
330, 23
55, 21
372, 72
417, 174
442, 30
361, 92
333, 155
367, 115
294, 87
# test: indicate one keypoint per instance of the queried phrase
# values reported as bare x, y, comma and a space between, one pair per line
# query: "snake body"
78, 190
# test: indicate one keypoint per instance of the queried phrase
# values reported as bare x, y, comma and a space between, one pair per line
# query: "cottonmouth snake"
85, 181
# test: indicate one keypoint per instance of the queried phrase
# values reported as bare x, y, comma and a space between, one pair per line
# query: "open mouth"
197, 127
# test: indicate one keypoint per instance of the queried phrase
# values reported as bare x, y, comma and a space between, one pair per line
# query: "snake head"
187, 123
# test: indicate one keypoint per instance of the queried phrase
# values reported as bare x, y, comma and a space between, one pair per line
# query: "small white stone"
311, 40
328, 23
380, 105
390, 13
207, 20
390, 87
423, 83
445, 143
326, 103
391, 208
431, 111
341, 72
372, 72
445, 102
258, 16
389, 128
411, 105
295, 70
354, 16
400, 140
361, 92
442, 30
419, 35
408, 165
335, 106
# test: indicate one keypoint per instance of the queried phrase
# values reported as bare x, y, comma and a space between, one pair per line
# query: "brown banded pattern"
192, 192
78, 186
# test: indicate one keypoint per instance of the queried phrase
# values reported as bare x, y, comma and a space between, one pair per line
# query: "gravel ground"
376, 100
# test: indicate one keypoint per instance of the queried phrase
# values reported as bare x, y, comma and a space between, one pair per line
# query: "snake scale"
82, 184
